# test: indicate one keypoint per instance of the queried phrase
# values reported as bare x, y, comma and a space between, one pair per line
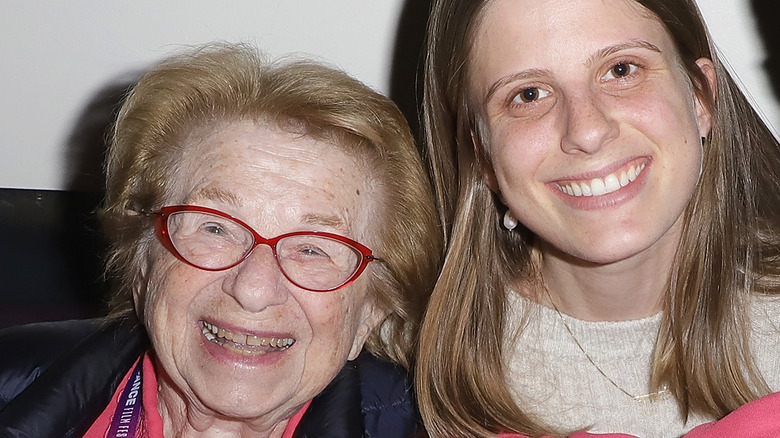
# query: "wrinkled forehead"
357, 148
276, 140
246, 162
348, 142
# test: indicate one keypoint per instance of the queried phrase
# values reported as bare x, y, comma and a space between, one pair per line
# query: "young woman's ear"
703, 111
484, 164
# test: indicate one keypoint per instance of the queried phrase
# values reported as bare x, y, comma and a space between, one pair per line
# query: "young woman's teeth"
599, 186
243, 341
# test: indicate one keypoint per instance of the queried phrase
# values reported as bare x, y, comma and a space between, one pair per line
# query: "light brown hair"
729, 248
208, 87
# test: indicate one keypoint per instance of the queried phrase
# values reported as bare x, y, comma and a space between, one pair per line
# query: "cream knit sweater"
551, 377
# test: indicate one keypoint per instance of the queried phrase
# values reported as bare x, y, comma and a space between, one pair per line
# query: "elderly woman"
268, 220
610, 201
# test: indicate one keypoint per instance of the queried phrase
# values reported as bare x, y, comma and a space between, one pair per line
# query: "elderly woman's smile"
244, 343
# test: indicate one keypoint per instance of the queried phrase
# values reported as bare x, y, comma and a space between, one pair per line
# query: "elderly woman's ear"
140, 290
371, 318
149, 267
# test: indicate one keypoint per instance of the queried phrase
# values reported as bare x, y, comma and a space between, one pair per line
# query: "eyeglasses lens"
214, 242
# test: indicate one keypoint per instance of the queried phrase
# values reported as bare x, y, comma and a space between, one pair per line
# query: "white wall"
734, 30
56, 56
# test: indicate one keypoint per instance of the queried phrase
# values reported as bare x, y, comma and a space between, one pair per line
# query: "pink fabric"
294, 420
757, 419
575, 435
152, 422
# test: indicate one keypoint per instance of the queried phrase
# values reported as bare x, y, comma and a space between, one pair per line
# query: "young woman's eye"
620, 70
528, 95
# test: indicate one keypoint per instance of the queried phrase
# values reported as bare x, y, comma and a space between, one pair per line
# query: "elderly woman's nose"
257, 282
588, 123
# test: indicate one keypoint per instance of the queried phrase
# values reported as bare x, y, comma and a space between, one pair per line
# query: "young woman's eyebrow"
514, 77
607, 51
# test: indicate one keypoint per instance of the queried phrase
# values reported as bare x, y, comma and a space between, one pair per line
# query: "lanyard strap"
128, 410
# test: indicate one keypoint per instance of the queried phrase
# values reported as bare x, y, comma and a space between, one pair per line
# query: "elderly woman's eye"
213, 228
620, 70
312, 251
531, 94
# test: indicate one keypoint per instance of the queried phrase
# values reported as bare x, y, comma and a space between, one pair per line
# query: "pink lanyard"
128, 410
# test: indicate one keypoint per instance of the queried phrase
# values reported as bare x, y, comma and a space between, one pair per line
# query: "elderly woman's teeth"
599, 186
246, 343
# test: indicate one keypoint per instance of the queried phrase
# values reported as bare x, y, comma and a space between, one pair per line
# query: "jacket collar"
336, 412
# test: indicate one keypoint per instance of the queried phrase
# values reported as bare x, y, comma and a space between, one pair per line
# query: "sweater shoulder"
764, 314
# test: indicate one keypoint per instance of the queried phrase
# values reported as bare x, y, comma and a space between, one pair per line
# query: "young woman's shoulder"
764, 314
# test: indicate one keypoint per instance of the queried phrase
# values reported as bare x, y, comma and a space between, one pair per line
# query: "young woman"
610, 202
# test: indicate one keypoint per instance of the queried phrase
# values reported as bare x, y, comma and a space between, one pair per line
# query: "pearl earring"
510, 221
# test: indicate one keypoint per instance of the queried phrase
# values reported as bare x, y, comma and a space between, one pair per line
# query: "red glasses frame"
161, 225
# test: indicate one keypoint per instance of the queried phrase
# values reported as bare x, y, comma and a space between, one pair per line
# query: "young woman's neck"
628, 289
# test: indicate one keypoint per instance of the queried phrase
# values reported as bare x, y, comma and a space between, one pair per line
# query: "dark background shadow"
765, 13
408, 54
52, 250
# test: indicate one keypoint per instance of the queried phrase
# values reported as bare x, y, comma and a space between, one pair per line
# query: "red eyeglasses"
211, 240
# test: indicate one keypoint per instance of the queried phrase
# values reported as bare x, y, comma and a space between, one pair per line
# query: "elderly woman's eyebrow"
215, 194
328, 220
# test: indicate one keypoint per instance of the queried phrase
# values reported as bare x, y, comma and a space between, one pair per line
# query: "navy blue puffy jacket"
56, 378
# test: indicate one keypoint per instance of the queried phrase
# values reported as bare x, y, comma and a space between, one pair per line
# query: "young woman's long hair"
729, 248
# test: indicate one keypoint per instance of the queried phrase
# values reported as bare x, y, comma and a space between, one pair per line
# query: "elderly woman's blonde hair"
208, 87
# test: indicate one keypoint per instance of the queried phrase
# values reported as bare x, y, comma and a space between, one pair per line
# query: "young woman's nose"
257, 282
588, 123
